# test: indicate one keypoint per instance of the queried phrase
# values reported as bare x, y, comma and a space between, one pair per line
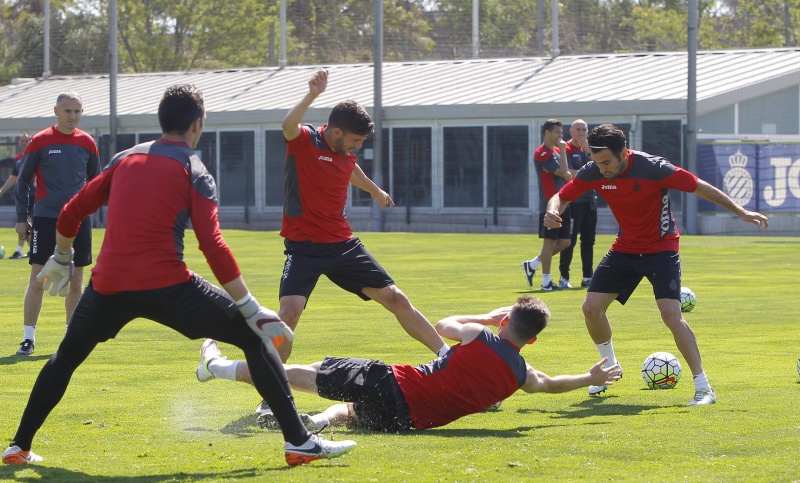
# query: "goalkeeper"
153, 190
480, 371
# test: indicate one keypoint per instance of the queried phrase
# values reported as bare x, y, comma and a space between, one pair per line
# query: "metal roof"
608, 84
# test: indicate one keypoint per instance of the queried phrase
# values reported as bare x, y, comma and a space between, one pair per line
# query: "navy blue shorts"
43, 241
347, 264
371, 387
564, 232
621, 273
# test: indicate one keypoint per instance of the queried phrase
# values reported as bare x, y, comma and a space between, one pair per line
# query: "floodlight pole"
554, 28
476, 29
691, 118
46, 60
376, 214
112, 77
282, 59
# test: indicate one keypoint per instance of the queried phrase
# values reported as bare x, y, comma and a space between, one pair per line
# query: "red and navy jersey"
153, 190
316, 180
60, 164
468, 379
546, 162
576, 158
639, 199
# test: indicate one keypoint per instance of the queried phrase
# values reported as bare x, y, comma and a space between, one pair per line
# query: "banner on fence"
760, 177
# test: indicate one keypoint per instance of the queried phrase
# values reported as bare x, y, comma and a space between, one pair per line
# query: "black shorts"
197, 309
371, 387
621, 273
43, 241
347, 264
556, 233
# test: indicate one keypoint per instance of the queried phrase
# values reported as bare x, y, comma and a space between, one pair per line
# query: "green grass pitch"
135, 412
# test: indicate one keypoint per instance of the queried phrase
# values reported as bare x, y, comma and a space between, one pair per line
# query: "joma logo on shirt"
609, 187
54, 151
326, 158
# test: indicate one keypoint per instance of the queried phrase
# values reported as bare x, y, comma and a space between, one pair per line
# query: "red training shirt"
316, 180
639, 199
153, 190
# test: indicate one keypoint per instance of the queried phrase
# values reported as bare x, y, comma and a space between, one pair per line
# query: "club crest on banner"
737, 181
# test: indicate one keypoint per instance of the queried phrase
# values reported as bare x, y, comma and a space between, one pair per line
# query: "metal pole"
540, 27
46, 70
112, 77
377, 145
691, 117
282, 60
476, 30
554, 26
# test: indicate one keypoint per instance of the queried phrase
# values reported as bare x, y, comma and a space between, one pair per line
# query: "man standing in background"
583, 210
552, 171
60, 159
23, 141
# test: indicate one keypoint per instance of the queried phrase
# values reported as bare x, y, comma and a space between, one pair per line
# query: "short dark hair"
550, 124
180, 106
350, 117
528, 317
607, 136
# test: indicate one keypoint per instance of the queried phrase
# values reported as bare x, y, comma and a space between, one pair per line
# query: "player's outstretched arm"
538, 381
360, 180
713, 194
291, 122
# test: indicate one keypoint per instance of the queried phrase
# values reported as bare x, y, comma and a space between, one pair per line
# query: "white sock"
606, 349
546, 279
534, 262
320, 420
701, 381
222, 368
29, 332
442, 350
19, 248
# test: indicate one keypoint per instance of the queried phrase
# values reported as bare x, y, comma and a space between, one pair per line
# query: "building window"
507, 166
275, 156
236, 182
124, 141
365, 157
411, 166
463, 166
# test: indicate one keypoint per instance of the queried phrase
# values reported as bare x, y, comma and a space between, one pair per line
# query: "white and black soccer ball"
661, 370
688, 299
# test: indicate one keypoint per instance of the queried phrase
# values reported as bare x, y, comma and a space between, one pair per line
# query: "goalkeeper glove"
57, 272
266, 323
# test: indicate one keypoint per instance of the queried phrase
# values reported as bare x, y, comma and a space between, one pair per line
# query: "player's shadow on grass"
244, 427
15, 359
595, 407
36, 473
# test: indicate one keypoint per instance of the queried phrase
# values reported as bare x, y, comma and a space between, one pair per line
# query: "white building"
458, 135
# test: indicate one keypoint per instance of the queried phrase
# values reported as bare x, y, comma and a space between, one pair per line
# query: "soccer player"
478, 372
583, 211
153, 191
320, 165
552, 170
23, 141
636, 187
60, 159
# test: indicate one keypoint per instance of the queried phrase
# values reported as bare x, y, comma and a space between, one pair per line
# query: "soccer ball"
688, 299
661, 370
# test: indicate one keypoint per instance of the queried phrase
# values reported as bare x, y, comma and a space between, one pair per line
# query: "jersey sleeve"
22, 190
301, 139
205, 221
548, 160
573, 189
681, 180
88, 200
